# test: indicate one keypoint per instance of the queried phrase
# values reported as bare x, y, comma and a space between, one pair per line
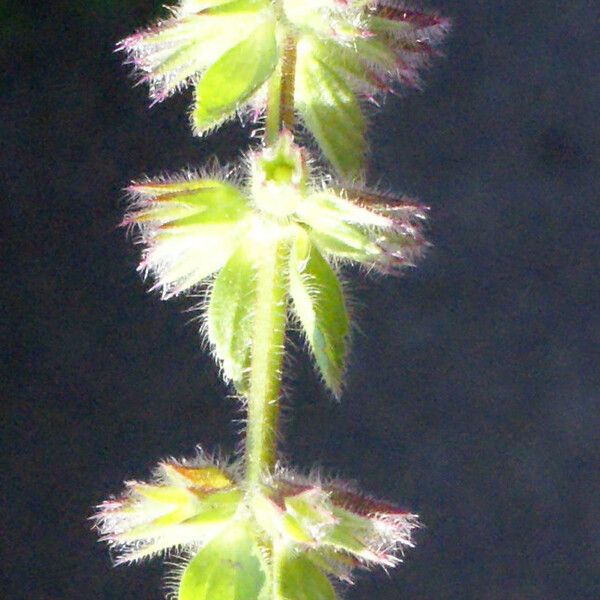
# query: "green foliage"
179, 221
235, 77
319, 304
330, 110
301, 579
345, 52
270, 236
230, 315
181, 506
230, 567
198, 226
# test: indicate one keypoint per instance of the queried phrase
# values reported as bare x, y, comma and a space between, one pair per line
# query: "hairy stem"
265, 367
273, 122
270, 317
277, 555
288, 83
280, 102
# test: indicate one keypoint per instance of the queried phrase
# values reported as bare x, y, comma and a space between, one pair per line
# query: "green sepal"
311, 508
301, 579
391, 27
352, 534
183, 514
206, 478
275, 521
375, 52
194, 262
214, 203
172, 189
217, 206
230, 82
342, 228
330, 109
212, 7
170, 55
155, 518
168, 495
230, 567
225, 7
331, 206
216, 508
230, 315
345, 241
357, 63
194, 226
318, 302
310, 15
337, 563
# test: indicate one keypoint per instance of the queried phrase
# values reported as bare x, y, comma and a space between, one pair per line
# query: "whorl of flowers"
197, 227
337, 52
293, 534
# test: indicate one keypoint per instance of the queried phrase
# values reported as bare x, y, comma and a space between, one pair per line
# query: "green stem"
277, 556
271, 306
273, 123
265, 367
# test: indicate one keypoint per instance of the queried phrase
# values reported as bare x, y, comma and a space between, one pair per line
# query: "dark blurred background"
473, 390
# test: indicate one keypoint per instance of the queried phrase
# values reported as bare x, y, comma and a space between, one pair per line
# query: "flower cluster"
338, 527
343, 50
291, 533
195, 226
186, 504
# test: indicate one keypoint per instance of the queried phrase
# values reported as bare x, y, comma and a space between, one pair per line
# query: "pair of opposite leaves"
232, 567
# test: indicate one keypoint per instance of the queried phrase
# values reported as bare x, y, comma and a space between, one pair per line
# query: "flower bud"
332, 522
182, 506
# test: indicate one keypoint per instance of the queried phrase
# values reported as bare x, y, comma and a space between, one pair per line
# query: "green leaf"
319, 304
330, 109
300, 579
235, 77
229, 567
230, 314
